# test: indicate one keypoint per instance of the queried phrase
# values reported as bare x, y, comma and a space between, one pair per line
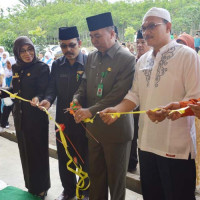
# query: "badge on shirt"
100, 90
16, 75
109, 69
78, 75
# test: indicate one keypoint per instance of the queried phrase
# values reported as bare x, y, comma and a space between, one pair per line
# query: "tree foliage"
52, 14
129, 34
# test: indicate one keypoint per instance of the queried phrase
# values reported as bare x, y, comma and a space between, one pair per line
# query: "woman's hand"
34, 102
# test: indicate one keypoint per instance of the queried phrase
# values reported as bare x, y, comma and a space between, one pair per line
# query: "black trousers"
133, 161
165, 178
197, 49
5, 115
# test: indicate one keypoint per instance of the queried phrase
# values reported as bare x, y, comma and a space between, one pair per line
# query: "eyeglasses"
29, 50
65, 46
150, 27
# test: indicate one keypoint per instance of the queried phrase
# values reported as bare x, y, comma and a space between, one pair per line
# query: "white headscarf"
11, 60
48, 54
158, 12
1, 47
5, 59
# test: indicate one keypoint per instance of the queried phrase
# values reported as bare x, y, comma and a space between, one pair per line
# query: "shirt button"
18, 80
20, 111
22, 71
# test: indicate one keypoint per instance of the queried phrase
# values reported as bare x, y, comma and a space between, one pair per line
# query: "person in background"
141, 45
1, 52
65, 78
41, 56
197, 42
131, 49
30, 80
123, 44
48, 59
84, 51
5, 55
186, 39
8, 103
116, 33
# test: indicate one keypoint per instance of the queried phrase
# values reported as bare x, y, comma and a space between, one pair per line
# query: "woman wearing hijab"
48, 59
5, 56
186, 39
1, 52
30, 79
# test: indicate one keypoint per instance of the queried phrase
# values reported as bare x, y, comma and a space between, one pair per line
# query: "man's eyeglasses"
150, 27
71, 45
29, 50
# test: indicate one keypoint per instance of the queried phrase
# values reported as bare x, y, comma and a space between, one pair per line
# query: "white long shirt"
173, 75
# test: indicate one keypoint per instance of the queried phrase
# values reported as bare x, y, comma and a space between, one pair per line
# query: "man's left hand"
82, 114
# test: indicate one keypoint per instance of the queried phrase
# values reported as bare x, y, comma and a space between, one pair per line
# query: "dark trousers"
68, 178
165, 178
107, 168
133, 161
197, 49
5, 115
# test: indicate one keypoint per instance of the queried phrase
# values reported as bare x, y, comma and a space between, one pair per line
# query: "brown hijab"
188, 40
18, 44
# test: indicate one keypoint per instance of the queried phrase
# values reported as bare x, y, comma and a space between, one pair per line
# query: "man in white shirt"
169, 72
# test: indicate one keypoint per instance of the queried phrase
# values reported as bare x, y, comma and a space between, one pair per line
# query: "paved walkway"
11, 171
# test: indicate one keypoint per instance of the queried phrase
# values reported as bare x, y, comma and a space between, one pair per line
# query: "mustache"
68, 53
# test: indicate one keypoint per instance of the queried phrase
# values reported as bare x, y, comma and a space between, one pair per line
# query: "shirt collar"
166, 47
112, 51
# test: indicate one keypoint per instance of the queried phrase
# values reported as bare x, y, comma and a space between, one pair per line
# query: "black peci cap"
99, 21
139, 34
67, 33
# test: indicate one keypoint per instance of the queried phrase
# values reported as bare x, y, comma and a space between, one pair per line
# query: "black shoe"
132, 170
42, 196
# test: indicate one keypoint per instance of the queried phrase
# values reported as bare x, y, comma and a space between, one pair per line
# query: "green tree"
27, 2
50, 15
38, 37
129, 34
7, 40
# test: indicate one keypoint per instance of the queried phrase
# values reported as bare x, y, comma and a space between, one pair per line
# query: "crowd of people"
164, 74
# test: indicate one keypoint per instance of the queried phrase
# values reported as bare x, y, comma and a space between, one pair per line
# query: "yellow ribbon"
118, 114
91, 120
181, 110
14, 96
83, 175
